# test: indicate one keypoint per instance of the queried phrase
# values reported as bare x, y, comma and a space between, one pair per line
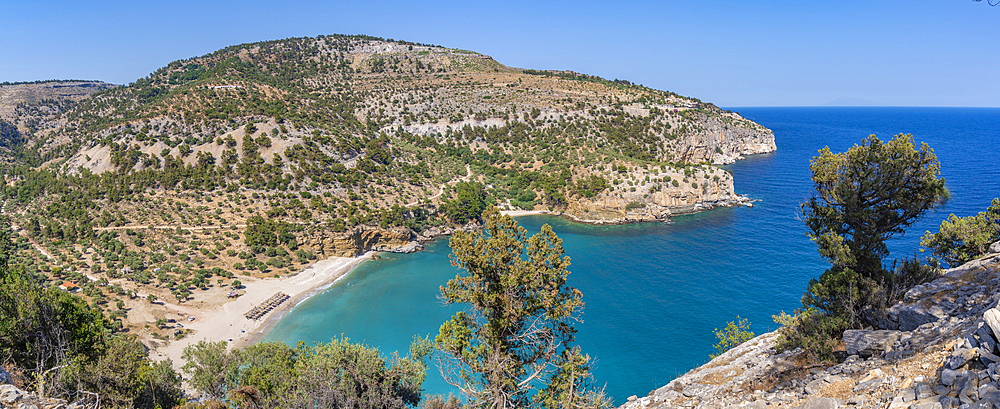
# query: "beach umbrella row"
268, 305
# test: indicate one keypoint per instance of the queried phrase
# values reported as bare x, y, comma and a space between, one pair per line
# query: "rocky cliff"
359, 240
651, 194
942, 354
720, 141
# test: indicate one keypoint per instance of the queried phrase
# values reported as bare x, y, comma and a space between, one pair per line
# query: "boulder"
867, 343
929, 404
923, 391
990, 400
987, 357
986, 340
814, 387
5, 378
949, 402
10, 395
821, 403
960, 357
992, 318
995, 248
911, 316
873, 383
949, 376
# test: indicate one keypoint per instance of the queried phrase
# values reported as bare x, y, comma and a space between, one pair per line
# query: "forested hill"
317, 135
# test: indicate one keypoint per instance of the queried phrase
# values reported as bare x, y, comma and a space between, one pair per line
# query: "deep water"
654, 292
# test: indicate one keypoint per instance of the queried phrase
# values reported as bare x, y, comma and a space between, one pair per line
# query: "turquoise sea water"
654, 292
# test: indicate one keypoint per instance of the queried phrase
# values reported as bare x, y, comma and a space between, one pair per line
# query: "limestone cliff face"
654, 194
725, 139
358, 240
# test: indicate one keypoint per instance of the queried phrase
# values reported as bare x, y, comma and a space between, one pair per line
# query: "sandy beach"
517, 213
227, 322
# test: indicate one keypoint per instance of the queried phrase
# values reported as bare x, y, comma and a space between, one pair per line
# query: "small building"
68, 286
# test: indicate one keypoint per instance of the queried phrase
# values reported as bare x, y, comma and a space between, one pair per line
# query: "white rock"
992, 318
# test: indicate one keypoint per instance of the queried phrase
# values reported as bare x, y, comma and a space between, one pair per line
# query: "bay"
654, 292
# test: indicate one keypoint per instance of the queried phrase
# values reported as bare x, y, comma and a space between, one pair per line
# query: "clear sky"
732, 53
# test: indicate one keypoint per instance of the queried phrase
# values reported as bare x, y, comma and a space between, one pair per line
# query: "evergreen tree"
517, 334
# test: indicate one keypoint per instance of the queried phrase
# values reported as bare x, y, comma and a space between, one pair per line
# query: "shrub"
635, 205
736, 333
963, 239
816, 333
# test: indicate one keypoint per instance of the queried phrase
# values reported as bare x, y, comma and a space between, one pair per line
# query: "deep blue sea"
654, 292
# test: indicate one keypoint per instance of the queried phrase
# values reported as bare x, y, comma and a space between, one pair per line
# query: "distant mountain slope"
327, 98
26, 106
311, 147
53, 96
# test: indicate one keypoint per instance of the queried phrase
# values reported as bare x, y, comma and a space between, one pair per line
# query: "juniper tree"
863, 197
516, 336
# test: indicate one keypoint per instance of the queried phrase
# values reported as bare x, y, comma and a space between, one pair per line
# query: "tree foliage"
962, 239
468, 203
333, 374
268, 232
517, 334
64, 345
735, 333
868, 194
863, 197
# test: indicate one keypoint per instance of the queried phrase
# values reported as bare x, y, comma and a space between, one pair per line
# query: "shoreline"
210, 324
737, 201
267, 323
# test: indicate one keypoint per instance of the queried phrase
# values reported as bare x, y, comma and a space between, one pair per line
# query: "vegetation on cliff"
962, 239
862, 198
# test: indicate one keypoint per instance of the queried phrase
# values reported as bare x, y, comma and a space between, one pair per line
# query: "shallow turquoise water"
654, 292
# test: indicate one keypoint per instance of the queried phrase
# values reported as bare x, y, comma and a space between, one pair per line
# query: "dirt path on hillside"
468, 175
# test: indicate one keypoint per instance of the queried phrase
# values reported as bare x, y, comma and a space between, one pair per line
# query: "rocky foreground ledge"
15, 398
943, 353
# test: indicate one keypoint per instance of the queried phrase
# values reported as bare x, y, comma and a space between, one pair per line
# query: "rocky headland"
939, 351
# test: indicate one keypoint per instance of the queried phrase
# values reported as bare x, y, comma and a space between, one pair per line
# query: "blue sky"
750, 53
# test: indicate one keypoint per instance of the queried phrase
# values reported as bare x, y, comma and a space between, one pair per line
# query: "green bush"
816, 333
735, 333
635, 205
960, 240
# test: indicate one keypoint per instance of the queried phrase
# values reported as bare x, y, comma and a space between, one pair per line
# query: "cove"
654, 292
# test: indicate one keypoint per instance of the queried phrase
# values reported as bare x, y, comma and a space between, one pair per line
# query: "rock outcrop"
725, 139
655, 194
360, 240
943, 353
15, 398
